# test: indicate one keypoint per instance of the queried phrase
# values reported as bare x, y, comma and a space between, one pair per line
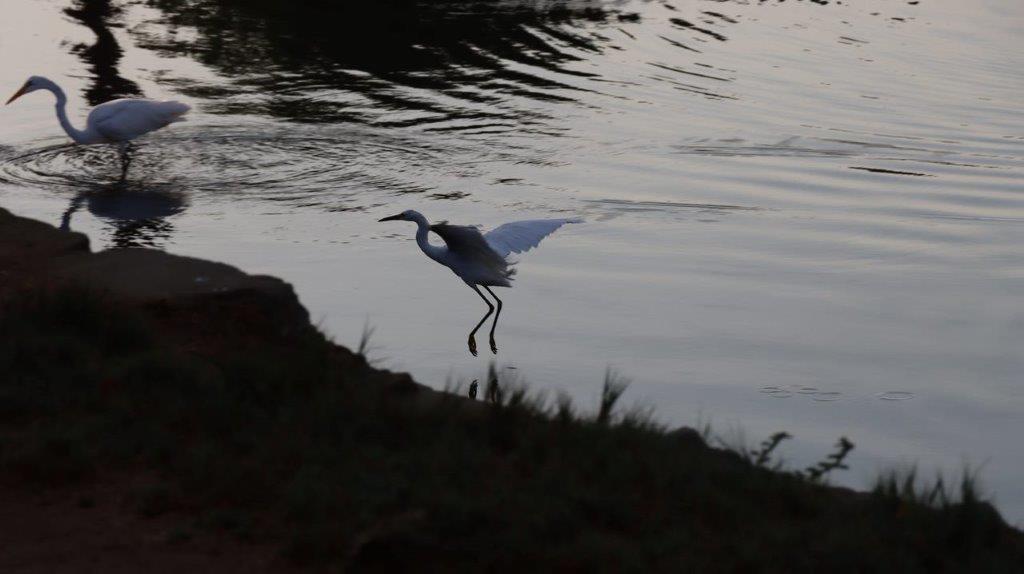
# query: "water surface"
802, 216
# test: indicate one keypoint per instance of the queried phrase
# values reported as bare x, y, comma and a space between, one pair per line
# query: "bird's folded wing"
468, 244
126, 119
520, 236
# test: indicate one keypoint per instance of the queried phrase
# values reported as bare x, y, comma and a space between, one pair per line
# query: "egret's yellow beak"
18, 94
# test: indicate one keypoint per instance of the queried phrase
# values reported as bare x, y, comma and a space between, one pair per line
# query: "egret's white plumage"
522, 236
116, 122
478, 258
128, 118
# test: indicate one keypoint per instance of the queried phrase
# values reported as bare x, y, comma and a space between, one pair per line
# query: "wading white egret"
478, 258
115, 122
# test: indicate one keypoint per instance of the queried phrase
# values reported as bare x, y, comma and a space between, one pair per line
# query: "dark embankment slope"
170, 414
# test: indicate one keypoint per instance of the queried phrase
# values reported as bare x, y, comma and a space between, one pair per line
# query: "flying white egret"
478, 258
116, 122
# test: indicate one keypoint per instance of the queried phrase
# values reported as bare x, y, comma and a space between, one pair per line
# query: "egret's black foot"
472, 346
494, 346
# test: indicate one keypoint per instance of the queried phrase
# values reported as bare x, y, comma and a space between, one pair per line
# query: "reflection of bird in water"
481, 259
117, 121
138, 214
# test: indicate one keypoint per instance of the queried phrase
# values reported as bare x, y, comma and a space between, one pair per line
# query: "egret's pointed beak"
17, 94
392, 218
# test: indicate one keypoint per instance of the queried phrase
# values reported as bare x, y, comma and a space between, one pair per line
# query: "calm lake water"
802, 216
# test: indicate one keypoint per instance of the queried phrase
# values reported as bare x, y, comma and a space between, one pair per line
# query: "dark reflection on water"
135, 210
103, 56
441, 60
405, 63
136, 213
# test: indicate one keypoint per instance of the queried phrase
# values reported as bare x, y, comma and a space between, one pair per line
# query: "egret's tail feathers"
174, 111
503, 277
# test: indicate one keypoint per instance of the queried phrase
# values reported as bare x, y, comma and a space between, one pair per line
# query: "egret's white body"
481, 259
115, 122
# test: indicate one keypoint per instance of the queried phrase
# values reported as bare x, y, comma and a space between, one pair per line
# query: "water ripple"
329, 167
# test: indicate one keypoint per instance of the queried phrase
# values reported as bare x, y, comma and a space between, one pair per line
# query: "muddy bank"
33, 253
201, 301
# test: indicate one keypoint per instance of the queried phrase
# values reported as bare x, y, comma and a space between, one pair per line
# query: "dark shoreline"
168, 413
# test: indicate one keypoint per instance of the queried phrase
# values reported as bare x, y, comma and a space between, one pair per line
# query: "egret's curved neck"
422, 231
62, 115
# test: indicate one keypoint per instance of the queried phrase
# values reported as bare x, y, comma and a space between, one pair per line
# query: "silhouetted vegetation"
763, 455
834, 461
297, 441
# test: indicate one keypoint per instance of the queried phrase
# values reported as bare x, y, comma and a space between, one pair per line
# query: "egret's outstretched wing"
126, 119
520, 236
468, 245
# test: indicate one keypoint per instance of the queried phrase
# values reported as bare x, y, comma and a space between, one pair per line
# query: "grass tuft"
365, 347
612, 389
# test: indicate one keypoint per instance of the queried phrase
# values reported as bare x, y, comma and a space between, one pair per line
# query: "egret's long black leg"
472, 334
494, 325
126, 160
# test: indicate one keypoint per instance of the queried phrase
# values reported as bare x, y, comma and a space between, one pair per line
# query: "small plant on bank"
834, 461
763, 455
